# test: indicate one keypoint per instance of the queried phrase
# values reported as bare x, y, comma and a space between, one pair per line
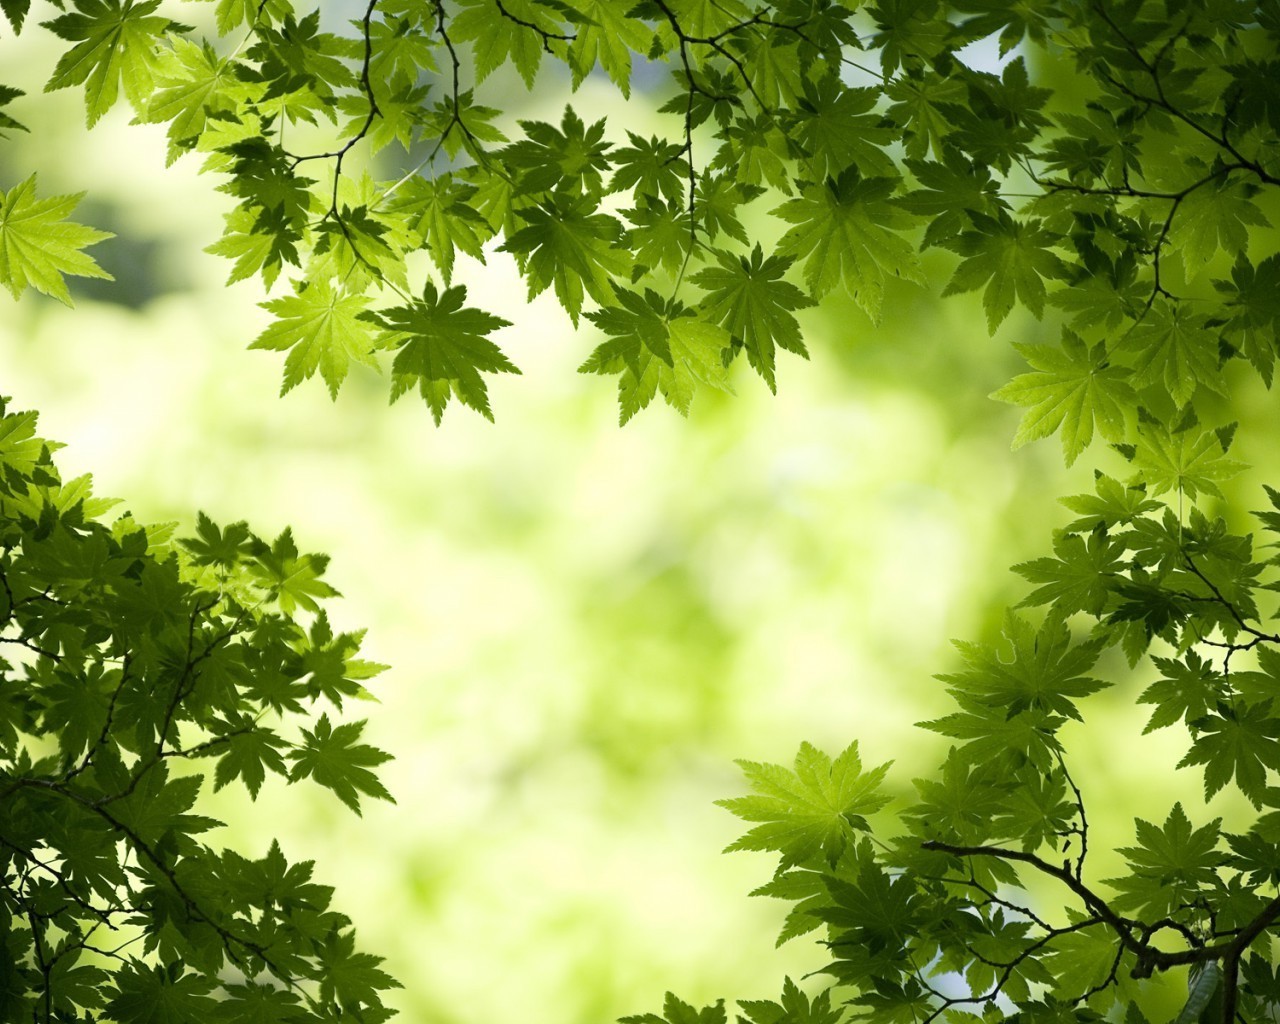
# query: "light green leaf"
1217, 215
1176, 349
817, 808
1074, 388
848, 233
117, 43
322, 330
38, 245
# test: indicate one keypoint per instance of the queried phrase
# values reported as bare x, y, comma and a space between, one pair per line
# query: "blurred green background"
586, 624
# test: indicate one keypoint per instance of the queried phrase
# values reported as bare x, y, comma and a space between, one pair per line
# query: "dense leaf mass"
132, 664
872, 132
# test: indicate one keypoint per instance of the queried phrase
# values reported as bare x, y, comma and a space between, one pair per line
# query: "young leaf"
291, 578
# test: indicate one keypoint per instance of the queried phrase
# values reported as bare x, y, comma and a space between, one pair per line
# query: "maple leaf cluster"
128, 652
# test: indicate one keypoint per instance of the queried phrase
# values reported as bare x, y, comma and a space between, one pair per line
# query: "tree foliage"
131, 666
801, 149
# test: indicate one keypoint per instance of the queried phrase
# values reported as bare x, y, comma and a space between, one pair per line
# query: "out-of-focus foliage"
136, 662
1114, 175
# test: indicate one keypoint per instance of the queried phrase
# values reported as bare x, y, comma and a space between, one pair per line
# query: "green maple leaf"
1074, 388
16, 11
75, 709
569, 158
755, 151
256, 1003
795, 1008
1011, 258
806, 890
158, 806
277, 198
461, 123
247, 755
1045, 672
992, 734
662, 235
919, 106
328, 665
567, 245
443, 348
359, 247
657, 346
676, 1011
875, 914
651, 168
215, 546
147, 994
322, 330
251, 250
1169, 866
442, 214
748, 296
291, 578
847, 233
38, 245
1176, 349
839, 132
817, 808
1216, 215
117, 43
494, 46
1080, 578
193, 82
605, 31
398, 54
719, 200
949, 189
332, 757
72, 983
348, 977
1081, 960
1188, 689
1113, 505
7, 95
1188, 461
1237, 743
